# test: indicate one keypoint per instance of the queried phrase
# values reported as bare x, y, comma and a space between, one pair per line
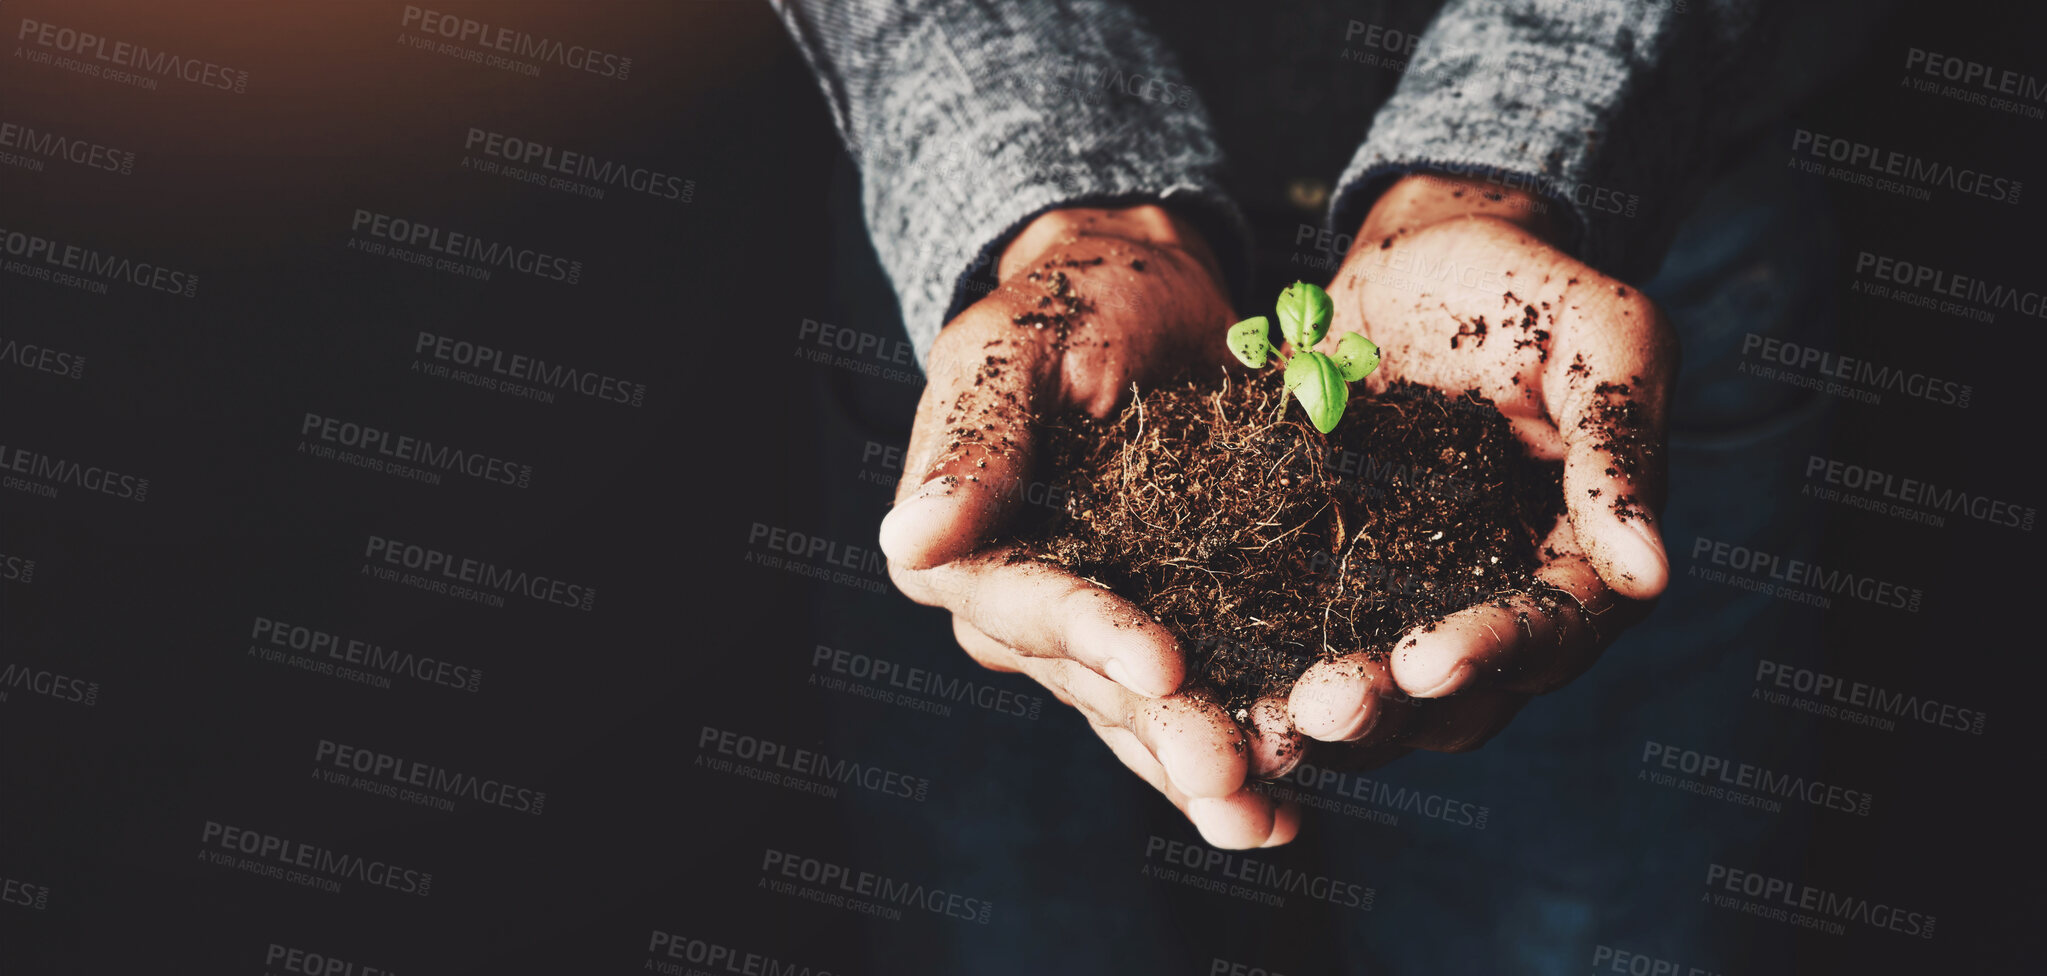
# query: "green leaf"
1250, 341
1315, 381
1356, 357
1304, 313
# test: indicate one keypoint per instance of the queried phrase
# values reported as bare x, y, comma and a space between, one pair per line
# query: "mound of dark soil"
1265, 545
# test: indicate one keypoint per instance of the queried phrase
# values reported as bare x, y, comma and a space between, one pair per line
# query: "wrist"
1148, 224
1423, 199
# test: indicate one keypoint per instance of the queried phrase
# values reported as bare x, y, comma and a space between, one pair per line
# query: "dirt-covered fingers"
1342, 700
1491, 645
970, 443
1243, 819
1364, 717
1204, 753
1275, 746
985, 650
1039, 611
1610, 407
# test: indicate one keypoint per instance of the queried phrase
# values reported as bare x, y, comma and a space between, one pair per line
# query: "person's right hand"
1089, 302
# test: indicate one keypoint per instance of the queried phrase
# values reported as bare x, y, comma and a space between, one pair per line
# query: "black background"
653, 505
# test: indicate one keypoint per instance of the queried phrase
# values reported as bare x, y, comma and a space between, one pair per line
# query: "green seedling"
1320, 381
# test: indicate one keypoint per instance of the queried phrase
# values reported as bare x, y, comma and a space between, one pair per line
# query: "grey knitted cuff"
1527, 116
951, 170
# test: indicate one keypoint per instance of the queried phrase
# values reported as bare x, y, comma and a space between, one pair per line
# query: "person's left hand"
1442, 276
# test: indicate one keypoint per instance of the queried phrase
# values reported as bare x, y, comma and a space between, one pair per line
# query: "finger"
1531, 642
1340, 700
1610, 400
1204, 753
1276, 747
1585, 614
1539, 435
970, 443
1243, 819
985, 650
1494, 641
1460, 724
1038, 610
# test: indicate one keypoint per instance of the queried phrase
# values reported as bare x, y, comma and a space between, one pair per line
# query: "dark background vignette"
702, 302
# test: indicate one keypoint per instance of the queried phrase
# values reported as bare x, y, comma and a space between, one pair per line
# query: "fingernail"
1286, 765
1654, 539
1121, 674
1651, 565
1451, 682
1366, 719
904, 538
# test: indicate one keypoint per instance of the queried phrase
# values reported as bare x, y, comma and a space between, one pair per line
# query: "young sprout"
1320, 381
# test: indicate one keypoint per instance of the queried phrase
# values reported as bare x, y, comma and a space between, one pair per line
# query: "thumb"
970, 445
1610, 401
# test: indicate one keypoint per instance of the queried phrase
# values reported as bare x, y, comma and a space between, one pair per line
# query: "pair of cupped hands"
1434, 253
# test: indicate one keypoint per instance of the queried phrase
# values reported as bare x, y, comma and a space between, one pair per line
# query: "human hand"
1459, 284
1089, 302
